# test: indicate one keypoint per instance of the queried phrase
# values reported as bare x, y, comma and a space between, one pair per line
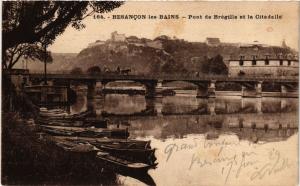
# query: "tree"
76, 70
172, 66
25, 51
217, 66
35, 21
214, 65
94, 70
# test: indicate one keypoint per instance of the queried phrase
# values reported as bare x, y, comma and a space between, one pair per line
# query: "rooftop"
261, 52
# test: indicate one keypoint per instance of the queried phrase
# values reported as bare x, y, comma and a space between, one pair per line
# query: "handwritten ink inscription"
232, 165
275, 164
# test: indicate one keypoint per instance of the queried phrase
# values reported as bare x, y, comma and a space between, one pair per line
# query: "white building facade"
263, 67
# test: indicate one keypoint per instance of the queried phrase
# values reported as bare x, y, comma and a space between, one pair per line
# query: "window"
289, 62
267, 62
281, 62
254, 60
241, 62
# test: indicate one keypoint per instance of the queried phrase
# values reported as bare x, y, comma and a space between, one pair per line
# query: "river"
222, 141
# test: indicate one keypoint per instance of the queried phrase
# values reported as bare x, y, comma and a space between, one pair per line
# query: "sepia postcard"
167, 93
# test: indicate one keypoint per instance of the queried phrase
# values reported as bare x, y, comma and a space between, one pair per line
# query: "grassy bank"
28, 159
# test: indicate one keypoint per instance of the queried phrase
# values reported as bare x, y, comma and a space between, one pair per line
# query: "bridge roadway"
118, 77
206, 85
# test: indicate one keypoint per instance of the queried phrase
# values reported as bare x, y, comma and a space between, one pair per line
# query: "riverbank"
29, 159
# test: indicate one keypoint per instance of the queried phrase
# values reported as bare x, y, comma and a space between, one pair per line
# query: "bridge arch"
128, 83
123, 87
180, 84
204, 88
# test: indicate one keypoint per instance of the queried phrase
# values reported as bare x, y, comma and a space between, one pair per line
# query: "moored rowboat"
64, 115
84, 122
133, 154
85, 132
128, 143
118, 164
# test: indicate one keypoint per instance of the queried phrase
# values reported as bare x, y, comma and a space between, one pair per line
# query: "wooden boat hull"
72, 123
129, 143
132, 154
124, 166
86, 132
65, 116
58, 132
81, 150
78, 150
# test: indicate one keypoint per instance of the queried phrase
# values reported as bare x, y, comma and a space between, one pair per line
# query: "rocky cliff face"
141, 59
163, 55
174, 56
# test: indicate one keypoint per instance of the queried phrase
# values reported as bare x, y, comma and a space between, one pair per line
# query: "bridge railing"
50, 72
67, 74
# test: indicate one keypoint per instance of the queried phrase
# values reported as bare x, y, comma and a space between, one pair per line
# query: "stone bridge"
206, 85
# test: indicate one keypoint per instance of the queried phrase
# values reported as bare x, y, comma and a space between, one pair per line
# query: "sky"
267, 31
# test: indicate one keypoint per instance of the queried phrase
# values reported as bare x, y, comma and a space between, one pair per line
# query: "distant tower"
283, 45
113, 35
118, 37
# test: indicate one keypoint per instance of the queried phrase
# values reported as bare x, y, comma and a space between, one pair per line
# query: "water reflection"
176, 117
80, 104
181, 119
174, 105
123, 104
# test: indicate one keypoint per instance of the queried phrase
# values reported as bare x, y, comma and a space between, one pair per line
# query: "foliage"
25, 51
76, 70
35, 22
214, 65
171, 66
94, 70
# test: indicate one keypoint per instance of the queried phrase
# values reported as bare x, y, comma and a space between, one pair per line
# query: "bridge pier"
243, 90
283, 90
158, 89
207, 90
91, 92
283, 104
100, 86
289, 90
258, 106
159, 106
211, 105
150, 107
258, 89
212, 89
44, 95
242, 104
150, 90
91, 107
99, 107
